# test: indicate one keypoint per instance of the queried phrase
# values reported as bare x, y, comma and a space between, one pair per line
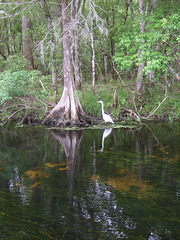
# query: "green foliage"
125, 100
20, 83
157, 44
105, 93
90, 102
12, 84
15, 63
24, 94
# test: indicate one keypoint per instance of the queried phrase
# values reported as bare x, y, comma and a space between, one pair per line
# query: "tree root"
84, 121
131, 112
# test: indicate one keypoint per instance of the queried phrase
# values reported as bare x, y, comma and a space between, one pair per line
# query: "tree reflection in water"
97, 207
71, 190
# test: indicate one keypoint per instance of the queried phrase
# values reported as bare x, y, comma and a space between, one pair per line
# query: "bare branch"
154, 110
18, 5
12, 116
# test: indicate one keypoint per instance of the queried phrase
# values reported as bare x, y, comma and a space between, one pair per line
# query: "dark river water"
120, 183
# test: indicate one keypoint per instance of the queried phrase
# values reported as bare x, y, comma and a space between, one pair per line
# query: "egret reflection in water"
54, 184
106, 133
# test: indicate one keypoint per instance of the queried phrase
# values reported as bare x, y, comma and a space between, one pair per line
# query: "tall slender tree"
27, 40
139, 83
47, 13
75, 42
92, 44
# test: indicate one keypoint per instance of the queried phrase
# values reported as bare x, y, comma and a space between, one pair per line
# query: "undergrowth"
26, 94
23, 94
168, 110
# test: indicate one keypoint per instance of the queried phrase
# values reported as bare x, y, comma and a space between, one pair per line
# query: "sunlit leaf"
51, 165
33, 173
125, 183
62, 169
36, 173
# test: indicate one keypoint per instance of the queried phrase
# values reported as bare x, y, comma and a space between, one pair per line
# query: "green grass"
38, 104
125, 99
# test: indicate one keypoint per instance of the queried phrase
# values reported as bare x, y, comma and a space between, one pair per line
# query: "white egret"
105, 116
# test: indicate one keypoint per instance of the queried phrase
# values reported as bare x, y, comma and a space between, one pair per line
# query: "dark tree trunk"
70, 141
27, 41
2, 54
7, 37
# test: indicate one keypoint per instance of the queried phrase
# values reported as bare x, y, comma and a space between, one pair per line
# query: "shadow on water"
90, 184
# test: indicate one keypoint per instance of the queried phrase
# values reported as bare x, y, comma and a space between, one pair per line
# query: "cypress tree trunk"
68, 108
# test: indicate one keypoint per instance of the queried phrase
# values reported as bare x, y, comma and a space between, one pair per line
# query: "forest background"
126, 53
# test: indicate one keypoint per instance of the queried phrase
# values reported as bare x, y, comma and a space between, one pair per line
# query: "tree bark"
51, 31
27, 41
3, 55
139, 83
105, 66
112, 42
93, 60
92, 46
68, 109
7, 38
75, 44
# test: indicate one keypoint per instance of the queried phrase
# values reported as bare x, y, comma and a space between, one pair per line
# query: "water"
90, 184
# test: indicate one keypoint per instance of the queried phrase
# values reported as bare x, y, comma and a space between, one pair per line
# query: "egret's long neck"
102, 108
